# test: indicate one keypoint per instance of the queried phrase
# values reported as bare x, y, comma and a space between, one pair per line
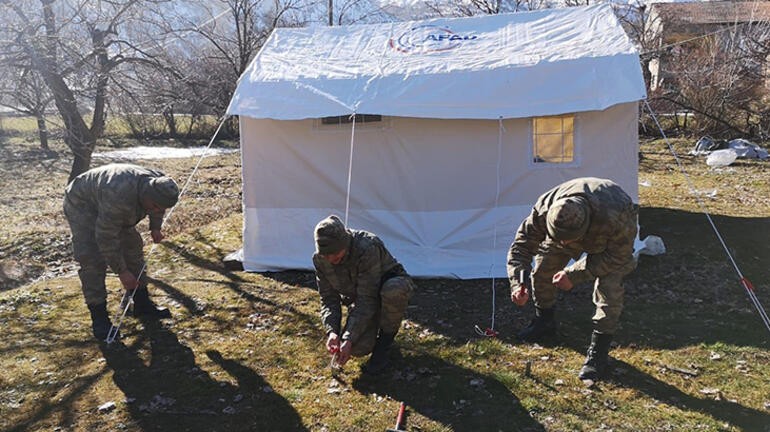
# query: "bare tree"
642, 28
235, 40
210, 50
722, 78
362, 11
482, 7
76, 48
571, 3
24, 91
479, 7
206, 47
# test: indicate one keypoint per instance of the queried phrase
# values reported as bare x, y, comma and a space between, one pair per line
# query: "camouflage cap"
163, 191
568, 218
331, 236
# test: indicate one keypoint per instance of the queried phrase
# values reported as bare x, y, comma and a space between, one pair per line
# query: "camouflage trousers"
394, 298
93, 267
607, 295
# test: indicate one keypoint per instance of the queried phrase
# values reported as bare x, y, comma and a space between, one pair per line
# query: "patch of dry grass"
738, 190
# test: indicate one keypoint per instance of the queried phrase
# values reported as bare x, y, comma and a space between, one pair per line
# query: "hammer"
400, 417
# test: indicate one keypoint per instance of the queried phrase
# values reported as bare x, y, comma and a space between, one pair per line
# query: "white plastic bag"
653, 245
720, 158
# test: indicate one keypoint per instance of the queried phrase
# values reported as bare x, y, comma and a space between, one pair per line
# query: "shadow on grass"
458, 398
659, 326
47, 407
667, 326
202, 262
270, 411
173, 393
744, 418
299, 278
695, 263
75, 390
662, 327
309, 322
234, 283
186, 301
453, 308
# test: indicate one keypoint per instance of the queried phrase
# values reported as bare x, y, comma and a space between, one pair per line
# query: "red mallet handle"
400, 415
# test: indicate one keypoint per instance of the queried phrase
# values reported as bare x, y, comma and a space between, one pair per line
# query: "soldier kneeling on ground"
588, 215
353, 268
103, 206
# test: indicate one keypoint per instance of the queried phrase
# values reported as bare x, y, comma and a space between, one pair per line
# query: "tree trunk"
42, 131
100, 99
77, 136
168, 115
80, 164
193, 120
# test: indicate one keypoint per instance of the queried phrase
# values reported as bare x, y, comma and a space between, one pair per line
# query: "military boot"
100, 321
541, 326
596, 360
145, 308
379, 361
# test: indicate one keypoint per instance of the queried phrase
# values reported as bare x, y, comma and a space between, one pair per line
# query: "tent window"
347, 119
554, 139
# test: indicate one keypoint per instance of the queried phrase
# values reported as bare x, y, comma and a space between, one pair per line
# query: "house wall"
445, 195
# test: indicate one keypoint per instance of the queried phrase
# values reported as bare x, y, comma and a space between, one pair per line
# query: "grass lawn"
244, 352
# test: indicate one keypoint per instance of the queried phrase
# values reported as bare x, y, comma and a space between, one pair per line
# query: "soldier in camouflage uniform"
102, 206
353, 268
588, 215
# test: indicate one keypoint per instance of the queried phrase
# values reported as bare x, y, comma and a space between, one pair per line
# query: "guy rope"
128, 295
490, 331
747, 285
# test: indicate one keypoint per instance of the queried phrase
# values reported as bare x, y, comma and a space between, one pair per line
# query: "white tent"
459, 125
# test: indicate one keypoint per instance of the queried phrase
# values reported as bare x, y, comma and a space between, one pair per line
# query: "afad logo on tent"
428, 38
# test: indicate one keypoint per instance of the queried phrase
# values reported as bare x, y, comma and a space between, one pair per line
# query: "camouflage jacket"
608, 243
357, 279
107, 200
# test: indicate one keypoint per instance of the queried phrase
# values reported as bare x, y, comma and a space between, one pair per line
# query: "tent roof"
497, 66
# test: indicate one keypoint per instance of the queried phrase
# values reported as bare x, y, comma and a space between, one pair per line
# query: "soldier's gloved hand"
128, 280
345, 349
519, 295
333, 343
157, 236
561, 281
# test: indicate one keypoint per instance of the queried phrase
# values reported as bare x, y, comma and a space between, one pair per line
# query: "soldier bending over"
588, 215
102, 206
